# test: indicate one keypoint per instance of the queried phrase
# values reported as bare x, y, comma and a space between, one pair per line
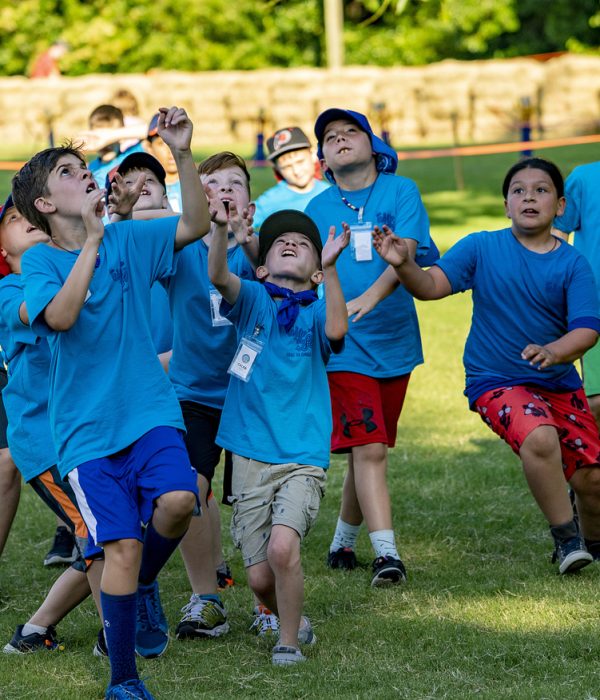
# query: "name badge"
361, 244
215, 309
243, 361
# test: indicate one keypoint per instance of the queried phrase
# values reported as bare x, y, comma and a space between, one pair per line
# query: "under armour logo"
367, 414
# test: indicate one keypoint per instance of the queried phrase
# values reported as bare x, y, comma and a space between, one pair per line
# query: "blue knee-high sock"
118, 612
156, 552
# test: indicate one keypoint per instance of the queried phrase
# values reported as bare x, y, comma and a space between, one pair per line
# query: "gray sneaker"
286, 656
202, 618
306, 634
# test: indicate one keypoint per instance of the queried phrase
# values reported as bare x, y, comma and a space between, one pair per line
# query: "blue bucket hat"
386, 158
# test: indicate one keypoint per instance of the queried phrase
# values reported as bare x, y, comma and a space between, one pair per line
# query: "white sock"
384, 544
28, 628
345, 536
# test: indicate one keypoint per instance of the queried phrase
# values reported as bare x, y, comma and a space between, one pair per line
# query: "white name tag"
243, 362
361, 244
215, 309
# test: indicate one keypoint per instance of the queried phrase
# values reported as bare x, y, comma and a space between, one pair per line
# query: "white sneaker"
266, 623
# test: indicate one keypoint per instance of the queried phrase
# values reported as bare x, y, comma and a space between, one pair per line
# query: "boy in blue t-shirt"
276, 418
368, 381
535, 311
204, 344
114, 416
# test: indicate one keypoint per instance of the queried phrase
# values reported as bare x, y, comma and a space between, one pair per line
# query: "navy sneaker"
342, 558
152, 630
100, 649
569, 548
64, 549
388, 570
133, 688
25, 644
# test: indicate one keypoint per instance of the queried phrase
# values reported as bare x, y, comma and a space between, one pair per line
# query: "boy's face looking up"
292, 256
66, 187
229, 185
346, 146
162, 153
153, 195
17, 235
297, 168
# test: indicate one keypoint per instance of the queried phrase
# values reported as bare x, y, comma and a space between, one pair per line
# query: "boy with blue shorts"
368, 381
535, 311
26, 400
114, 416
276, 418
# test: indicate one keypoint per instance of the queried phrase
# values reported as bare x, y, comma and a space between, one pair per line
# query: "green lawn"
483, 614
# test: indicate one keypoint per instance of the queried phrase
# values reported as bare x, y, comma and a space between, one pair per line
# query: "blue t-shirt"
385, 343
174, 195
202, 352
519, 297
281, 196
25, 396
107, 387
161, 323
283, 413
100, 170
582, 213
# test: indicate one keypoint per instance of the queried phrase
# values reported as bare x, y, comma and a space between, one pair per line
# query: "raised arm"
224, 280
63, 311
175, 129
422, 284
336, 314
240, 224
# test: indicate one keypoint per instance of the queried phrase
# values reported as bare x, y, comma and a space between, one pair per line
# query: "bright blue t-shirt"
582, 213
385, 343
519, 297
100, 170
25, 396
282, 196
202, 351
161, 323
107, 387
283, 413
174, 195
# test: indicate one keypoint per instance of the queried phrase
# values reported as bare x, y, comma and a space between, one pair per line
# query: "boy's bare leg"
370, 482
586, 484
214, 514
594, 402
542, 464
197, 546
69, 589
173, 512
10, 490
350, 511
94, 577
121, 566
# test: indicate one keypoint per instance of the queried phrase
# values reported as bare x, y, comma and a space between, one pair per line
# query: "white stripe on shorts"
82, 504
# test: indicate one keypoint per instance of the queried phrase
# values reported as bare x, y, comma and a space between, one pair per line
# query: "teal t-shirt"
107, 387
25, 396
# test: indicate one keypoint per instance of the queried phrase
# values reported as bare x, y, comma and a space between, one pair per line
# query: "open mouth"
144, 193
343, 150
288, 253
90, 187
530, 211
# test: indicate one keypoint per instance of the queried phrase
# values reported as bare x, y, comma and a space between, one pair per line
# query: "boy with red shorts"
535, 311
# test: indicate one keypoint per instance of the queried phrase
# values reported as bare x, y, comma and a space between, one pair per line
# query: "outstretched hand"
390, 247
122, 197
216, 208
240, 224
334, 246
175, 128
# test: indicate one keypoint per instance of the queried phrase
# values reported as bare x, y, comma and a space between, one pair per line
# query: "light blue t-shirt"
519, 297
202, 351
174, 195
281, 196
25, 396
100, 170
283, 413
582, 213
385, 343
107, 387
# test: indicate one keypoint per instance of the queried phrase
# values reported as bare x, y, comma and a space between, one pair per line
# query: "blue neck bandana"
288, 310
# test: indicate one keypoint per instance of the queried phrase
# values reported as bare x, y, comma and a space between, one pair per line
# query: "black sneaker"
342, 558
100, 649
388, 570
64, 550
224, 577
569, 548
593, 547
25, 644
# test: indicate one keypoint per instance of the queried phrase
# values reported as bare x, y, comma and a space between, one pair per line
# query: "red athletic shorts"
515, 411
365, 410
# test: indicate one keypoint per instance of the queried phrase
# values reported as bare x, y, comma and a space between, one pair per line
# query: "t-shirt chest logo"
304, 341
121, 273
386, 218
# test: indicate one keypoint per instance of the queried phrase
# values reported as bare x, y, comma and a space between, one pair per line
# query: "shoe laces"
149, 612
130, 689
265, 621
200, 609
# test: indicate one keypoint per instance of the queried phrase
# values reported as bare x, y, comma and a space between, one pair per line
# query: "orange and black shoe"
342, 558
36, 641
224, 577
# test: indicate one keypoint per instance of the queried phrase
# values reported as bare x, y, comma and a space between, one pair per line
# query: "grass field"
483, 614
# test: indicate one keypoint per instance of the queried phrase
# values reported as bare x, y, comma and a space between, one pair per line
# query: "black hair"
539, 164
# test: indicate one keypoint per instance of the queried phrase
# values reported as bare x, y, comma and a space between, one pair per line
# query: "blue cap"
153, 127
386, 158
4, 268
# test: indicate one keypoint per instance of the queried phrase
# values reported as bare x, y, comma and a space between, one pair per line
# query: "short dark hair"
103, 115
222, 160
31, 182
538, 164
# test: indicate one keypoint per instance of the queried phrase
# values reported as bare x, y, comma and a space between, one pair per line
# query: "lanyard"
360, 210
